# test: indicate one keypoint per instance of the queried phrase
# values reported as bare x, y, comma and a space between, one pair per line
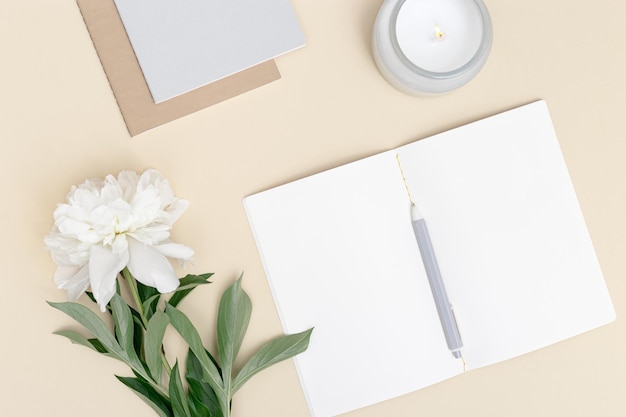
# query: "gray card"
183, 45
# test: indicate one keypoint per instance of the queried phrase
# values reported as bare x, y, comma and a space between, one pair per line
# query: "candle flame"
438, 33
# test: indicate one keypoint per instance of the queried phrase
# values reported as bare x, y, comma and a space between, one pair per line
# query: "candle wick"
438, 34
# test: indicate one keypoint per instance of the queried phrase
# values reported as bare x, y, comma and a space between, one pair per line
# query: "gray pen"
446, 316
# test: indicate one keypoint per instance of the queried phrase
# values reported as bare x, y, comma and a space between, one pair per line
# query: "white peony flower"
107, 225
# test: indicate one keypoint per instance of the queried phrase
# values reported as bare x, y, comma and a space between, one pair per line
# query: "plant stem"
132, 284
225, 405
135, 293
166, 364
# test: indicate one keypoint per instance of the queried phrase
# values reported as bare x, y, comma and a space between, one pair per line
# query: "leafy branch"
137, 341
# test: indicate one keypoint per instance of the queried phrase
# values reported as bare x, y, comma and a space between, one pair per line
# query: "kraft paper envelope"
129, 86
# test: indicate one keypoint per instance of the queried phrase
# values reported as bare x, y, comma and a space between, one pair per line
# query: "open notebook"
513, 249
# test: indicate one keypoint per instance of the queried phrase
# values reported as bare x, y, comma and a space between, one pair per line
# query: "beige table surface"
59, 124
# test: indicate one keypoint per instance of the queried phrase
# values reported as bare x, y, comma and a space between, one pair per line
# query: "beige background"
59, 124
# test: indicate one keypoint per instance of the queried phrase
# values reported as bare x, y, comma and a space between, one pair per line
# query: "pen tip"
415, 213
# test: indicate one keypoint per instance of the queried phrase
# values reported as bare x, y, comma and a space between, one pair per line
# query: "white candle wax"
439, 35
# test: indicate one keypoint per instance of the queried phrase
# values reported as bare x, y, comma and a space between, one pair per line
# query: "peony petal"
110, 190
104, 266
119, 244
150, 267
176, 209
147, 198
69, 226
175, 250
73, 279
151, 235
66, 250
83, 199
128, 183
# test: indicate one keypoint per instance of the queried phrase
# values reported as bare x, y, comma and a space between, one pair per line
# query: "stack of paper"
183, 45
515, 256
120, 61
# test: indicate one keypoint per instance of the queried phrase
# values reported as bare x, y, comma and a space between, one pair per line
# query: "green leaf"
91, 297
197, 409
93, 344
188, 332
99, 347
232, 322
136, 317
104, 336
203, 397
187, 284
149, 395
123, 322
138, 337
149, 297
177, 394
153, 342
145, 292
124, 329
150, 305
76, 338
91, 322
138, 333
192, 281
108, 306
277, 350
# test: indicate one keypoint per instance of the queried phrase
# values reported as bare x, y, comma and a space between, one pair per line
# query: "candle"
429, 47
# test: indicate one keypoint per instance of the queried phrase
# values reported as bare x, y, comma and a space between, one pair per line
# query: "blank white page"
183, 45
512, 244
340, 255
